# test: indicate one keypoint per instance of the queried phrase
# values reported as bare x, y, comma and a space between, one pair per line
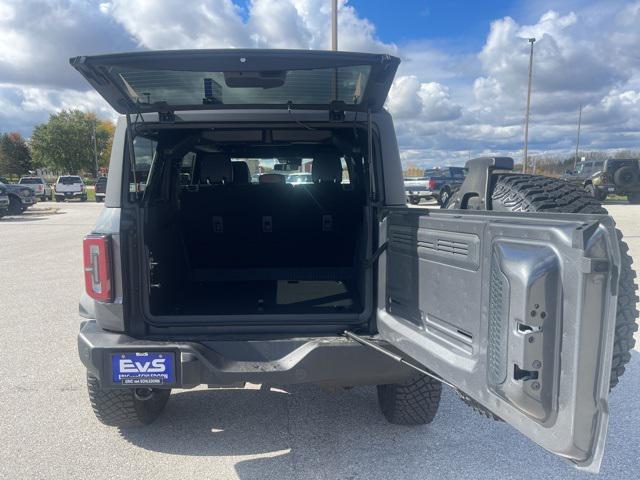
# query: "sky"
460, 90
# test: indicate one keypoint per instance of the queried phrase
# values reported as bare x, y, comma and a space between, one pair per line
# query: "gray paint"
446, 327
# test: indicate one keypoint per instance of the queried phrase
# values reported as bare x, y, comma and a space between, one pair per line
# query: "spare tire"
625, 176
531, 193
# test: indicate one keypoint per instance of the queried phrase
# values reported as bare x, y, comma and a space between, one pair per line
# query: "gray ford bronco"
206, 268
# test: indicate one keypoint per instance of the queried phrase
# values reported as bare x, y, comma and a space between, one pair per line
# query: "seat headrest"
271, 178
241, 174
214, 168
326, 168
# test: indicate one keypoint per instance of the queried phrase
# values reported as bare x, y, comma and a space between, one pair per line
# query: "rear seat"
233, 224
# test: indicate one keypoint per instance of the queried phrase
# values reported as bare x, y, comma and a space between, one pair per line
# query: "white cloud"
21, 107
425, 102
446, 101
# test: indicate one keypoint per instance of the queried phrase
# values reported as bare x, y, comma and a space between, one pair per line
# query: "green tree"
65, 142
15, 159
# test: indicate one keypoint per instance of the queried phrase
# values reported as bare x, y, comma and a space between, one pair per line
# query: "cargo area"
233, 227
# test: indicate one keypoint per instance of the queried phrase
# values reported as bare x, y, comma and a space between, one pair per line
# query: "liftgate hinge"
370, 262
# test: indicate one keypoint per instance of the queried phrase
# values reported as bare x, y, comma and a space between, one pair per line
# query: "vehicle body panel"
531, 338
101, 188
70, 186
24, 193
4, 200
39, 184
607, 180
434, 183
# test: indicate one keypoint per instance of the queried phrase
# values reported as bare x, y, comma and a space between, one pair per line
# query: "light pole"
95, 147
334, 24
575, 160
526, 116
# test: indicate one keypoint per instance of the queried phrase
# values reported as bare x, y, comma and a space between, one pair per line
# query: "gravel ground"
48, 430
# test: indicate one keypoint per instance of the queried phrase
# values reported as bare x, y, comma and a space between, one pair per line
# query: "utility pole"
334, 24
575, 160
95, 148
526, 116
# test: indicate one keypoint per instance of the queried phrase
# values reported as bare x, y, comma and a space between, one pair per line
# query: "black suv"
618, 177
607, 177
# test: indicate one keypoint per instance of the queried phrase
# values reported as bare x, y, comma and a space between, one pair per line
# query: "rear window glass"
31, 181
69, 180
183, 88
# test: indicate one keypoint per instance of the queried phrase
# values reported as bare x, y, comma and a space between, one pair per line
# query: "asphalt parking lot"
48, 431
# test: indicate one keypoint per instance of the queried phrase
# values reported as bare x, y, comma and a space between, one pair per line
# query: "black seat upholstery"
213, 169
235, 224
241, 174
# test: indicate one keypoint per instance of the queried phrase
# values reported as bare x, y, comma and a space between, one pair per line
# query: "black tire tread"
531, 193
413, 402
119, 407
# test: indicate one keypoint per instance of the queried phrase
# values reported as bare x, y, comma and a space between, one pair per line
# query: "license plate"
143, 368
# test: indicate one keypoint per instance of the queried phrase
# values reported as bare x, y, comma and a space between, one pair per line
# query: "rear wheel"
15, 206
413, 402
530, 193
626, 176
83, 198
126, 408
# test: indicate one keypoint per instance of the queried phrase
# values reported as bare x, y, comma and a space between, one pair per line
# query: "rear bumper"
333, 361
419, 193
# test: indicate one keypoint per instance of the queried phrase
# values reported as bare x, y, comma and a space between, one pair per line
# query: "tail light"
98, 268
432, 184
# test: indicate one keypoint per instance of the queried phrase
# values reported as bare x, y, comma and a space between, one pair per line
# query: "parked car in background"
300, 178
101, 188
583, 172
21, 197
69, 187
41, 187
437, 183
4, 200
616, 177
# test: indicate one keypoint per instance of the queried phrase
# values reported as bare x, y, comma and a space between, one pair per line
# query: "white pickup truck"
70, 186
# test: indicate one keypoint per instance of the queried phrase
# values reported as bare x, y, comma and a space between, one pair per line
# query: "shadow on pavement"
307, 432
22, 218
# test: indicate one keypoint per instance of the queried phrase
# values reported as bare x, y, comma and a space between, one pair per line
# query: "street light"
526, 116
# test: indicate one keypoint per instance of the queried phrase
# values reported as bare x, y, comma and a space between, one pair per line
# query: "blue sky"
460, 89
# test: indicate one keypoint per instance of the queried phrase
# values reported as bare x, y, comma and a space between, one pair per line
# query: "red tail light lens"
97, 267
432, 184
